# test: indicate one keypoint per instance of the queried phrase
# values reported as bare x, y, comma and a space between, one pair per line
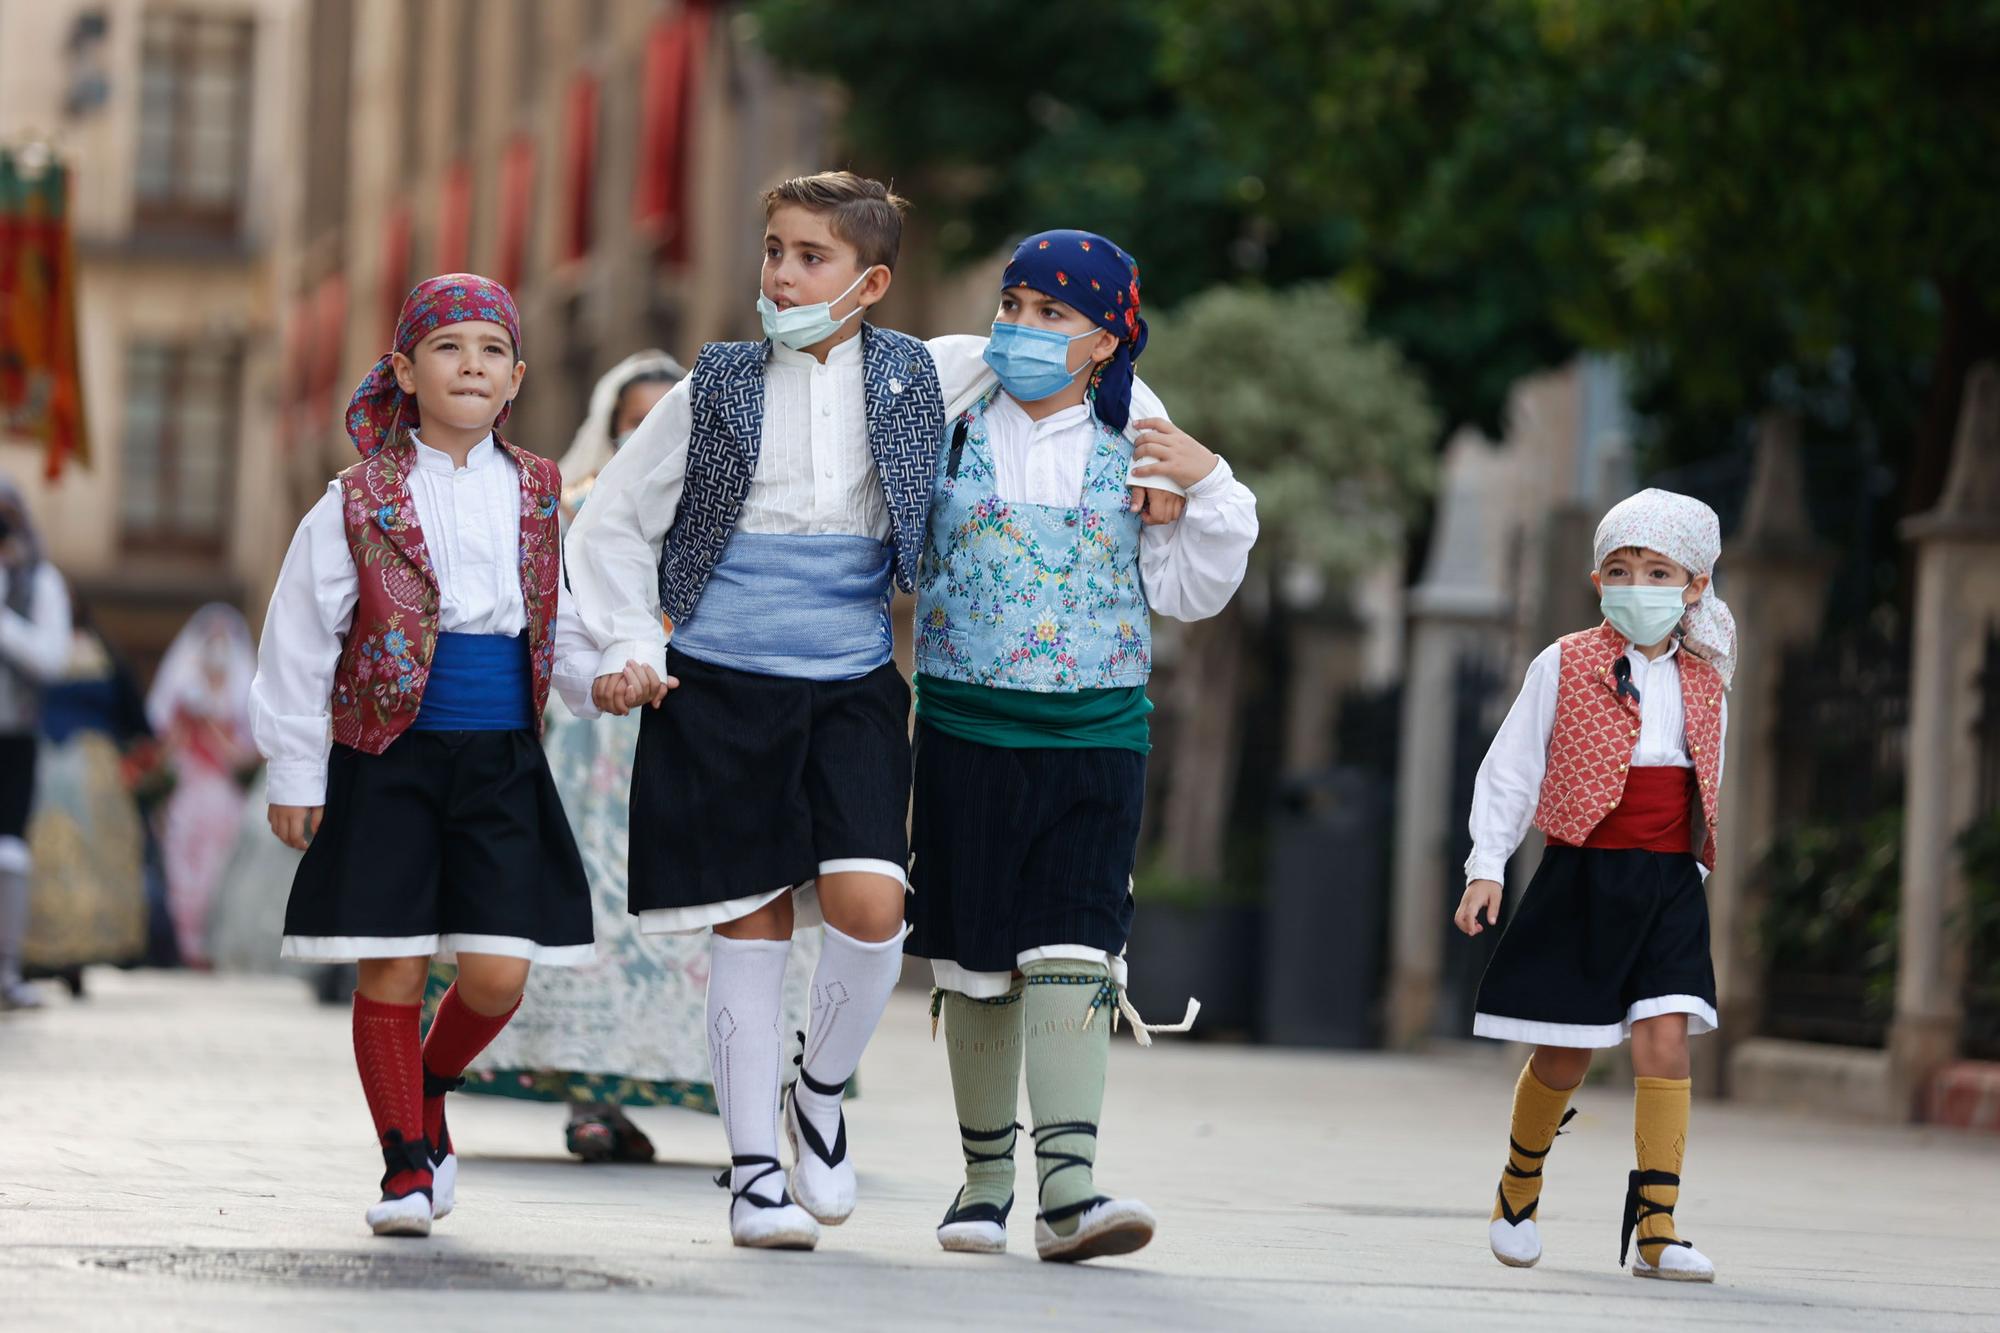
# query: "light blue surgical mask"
1032, 363
801, 326
1645, 616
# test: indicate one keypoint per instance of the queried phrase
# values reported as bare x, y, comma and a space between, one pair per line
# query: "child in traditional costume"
1614, 751
415, 618
1034, 646
766, 508
627, 1029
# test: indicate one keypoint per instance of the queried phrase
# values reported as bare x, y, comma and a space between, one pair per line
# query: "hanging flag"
660, 203
41, 395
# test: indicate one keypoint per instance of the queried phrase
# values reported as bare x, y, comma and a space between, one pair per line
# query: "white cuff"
295, 782
1485, 866
613, 659
1215, 483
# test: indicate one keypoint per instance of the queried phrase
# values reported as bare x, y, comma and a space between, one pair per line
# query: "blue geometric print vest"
1021, 596
905, 412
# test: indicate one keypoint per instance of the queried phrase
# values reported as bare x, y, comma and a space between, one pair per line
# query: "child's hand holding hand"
1162, 449
1482, 895
636, 686
296, 824
1155, 506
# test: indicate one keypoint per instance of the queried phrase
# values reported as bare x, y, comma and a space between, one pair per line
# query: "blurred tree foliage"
1786, 202
1332, 430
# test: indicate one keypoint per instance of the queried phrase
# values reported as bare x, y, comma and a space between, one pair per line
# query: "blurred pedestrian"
625, 1030
88, 835
407, 656
1034, 646
34, 647
1614, 751
199, 707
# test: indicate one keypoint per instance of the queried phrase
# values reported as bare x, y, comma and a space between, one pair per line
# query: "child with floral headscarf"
1614, 751
1039, 580
415, 620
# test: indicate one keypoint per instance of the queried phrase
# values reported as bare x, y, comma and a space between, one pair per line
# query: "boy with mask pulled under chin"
767, 508
1614, 751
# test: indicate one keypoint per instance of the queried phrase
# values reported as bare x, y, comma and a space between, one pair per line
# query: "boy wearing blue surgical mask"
1034, 646
1614, 751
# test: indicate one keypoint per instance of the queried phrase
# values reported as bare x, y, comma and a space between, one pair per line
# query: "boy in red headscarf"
415, 620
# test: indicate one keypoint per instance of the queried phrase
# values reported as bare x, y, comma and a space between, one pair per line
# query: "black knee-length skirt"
1601, 939
446, 842
746, 785
1016, 850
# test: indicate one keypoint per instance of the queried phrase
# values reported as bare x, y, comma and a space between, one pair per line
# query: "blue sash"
478, 682
807, 607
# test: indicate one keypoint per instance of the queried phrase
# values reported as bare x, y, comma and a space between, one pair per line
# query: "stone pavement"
182, 1152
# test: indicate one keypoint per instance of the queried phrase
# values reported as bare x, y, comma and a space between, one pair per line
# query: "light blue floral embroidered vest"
1031, 597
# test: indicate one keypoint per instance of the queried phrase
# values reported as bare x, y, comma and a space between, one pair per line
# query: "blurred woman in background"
87, 835
200, 708
34, 646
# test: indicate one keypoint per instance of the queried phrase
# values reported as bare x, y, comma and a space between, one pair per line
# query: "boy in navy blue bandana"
1034, 645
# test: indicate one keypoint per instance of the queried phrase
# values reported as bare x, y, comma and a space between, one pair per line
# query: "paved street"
189, 1153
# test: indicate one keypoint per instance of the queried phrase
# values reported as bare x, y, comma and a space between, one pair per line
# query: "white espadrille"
822, 1177
977, 1228
758, 1223
407, 1216
1677, 1263
1515, 1244
1104, 1227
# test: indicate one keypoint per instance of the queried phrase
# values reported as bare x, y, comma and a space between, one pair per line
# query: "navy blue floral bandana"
1101, 282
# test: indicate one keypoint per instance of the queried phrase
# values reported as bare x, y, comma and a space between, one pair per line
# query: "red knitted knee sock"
389, 1055
458, 1034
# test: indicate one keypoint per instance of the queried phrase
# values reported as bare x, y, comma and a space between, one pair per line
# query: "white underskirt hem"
948, 975
1597, 1036
445, 948
805, 901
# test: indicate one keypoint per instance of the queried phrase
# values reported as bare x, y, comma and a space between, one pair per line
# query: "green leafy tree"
1333, 431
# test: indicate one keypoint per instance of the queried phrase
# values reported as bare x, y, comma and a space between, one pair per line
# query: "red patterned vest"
1590, 748
379, 684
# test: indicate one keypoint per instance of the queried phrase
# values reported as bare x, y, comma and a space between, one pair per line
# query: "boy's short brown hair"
862, 212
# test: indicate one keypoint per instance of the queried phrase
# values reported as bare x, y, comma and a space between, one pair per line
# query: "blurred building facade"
259, 183
169, 115
603, 158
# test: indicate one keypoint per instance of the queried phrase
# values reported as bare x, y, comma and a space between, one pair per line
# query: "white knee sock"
850, 988
746, 994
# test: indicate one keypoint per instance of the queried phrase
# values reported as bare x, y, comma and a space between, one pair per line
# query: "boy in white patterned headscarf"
1614, 751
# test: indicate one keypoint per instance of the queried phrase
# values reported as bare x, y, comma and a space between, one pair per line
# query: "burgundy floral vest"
379, 684
1590, 748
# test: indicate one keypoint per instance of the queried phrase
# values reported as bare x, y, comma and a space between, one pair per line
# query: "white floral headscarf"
591, 449
1685, 531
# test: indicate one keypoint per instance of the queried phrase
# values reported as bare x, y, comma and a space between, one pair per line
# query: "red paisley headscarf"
380, 407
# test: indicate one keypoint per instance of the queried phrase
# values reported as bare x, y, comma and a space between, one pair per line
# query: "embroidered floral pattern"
385, 664
1033, 597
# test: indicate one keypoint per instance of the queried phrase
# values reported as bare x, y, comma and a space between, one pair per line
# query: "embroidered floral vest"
379, 684
1590, 747
1022, 596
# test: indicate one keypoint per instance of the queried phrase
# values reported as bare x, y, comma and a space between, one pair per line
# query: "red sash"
1657, 814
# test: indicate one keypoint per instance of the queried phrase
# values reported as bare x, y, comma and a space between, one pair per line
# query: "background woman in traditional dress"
87, 834
200, 708
626, 1030
34, 645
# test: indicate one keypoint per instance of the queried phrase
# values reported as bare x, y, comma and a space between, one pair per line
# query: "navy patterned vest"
905, 409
